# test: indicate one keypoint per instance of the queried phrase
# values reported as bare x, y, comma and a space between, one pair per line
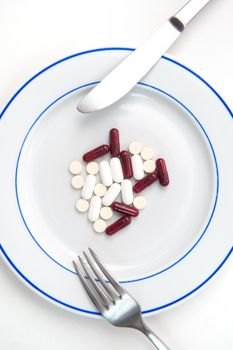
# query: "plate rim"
7, 259
72, 308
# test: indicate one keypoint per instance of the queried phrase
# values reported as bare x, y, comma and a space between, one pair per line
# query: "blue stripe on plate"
216, 195
97, 313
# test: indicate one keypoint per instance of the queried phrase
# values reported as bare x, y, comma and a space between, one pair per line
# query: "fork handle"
155, 340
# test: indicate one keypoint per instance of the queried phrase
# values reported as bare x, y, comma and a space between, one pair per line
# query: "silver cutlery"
135, 66
112, 300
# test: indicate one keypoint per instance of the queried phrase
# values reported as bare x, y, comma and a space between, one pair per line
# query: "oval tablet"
111, 194
116, 170
88, 187
75, 167
147, 153
105, 173
106, 213
135, 147
100, 190
127, 191
94, 208
92, 168
82, 205
137, 165
139, 202
77, 181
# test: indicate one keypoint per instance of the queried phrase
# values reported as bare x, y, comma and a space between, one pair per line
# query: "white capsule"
94, 208
111, 194
88, 186
105, 173
116, 170
137, 165
127, 192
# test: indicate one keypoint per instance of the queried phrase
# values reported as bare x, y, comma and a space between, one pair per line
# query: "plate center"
175, 217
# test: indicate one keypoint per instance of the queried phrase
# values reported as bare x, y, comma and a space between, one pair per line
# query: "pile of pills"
127, 173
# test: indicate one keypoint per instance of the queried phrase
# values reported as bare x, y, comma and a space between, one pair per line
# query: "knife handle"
187, 13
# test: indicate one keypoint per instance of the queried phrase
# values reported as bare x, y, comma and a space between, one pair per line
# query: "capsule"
105, 173
96, 153
125, 209
114, 142
118, 225
111, 194
137, 166
116, 169
88, 187
126, 164
162, 172
126, 192
94, 208
145, 182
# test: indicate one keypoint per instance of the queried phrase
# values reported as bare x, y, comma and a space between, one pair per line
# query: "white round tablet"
82, 205
106, 213
77, 181
135, 147
147, 153
99, 226
92, 168
100, 190
149, 166
75, 167
139, 202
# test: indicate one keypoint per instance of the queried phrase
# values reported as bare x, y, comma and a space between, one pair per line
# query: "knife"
135, 66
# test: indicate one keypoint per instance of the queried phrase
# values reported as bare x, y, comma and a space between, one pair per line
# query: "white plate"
182, 237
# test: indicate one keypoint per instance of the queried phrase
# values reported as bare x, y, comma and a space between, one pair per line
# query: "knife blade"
135, 66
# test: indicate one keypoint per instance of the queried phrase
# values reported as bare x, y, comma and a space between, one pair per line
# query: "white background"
37, 33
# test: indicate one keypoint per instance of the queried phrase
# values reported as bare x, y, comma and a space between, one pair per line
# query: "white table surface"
37, 33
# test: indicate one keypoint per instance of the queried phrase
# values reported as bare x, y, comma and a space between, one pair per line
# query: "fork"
112, 300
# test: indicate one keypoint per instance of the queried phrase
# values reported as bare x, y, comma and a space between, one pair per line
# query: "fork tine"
92, 296
96, 272
109, 276
94, 284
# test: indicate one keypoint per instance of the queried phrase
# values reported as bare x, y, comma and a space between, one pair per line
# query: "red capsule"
96, 153
145, 182
118, 225
125, 209
114, 142
126, 164
162, 172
